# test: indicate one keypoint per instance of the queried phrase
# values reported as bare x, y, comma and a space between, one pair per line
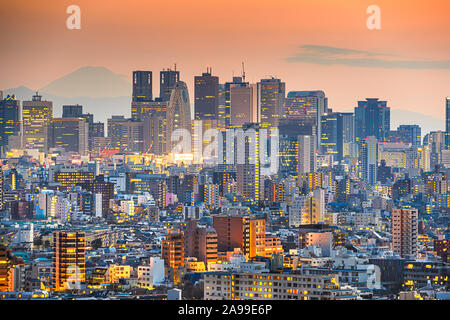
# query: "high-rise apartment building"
172, 250
68, 260
200, 242
232, 232
405, 232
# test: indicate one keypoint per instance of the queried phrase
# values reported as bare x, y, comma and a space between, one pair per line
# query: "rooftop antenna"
243, 72
175, 66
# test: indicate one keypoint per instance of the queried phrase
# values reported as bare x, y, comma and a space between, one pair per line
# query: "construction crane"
148, 150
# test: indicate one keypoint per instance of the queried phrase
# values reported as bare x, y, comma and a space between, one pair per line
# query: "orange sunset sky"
316, 44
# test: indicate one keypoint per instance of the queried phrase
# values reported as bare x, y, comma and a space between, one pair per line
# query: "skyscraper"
306, 155
307, 105
349, 147
70, 134
9, 120
36, 115
178, 112
447, 123
372, 118
368, 156
241, 104
248, 165
168, 79
206, 92
331, 140
72, 111
405, 232
142, 86
225, 114
410, 133
271, 96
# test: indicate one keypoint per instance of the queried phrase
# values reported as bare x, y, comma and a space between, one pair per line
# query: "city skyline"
405, 62
225, 150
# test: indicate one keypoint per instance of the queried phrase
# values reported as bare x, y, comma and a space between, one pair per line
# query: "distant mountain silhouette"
426, 122
94, 82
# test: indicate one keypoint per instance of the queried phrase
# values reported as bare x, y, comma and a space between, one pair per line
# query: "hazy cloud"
324, 55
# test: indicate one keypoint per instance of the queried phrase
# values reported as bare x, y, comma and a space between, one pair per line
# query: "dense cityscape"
245, 192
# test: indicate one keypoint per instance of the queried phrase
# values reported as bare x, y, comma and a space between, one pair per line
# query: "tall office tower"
242, 108
203, 135
222, 107
307, 105
168, 79
206, 91
447, 123
132, 136
155, 135
200, 242
435, 141
9, 121
288, 152
372, 118
126, 134
232, 232
271, 96
226, 114
407, 134
68, 260
72, 111
331, 141
349, 147
172, 249
70, 134
405, 232
98, 130
306, 155
36, 116
178, 113
247, 162
142, 86
115, 131
368, 156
